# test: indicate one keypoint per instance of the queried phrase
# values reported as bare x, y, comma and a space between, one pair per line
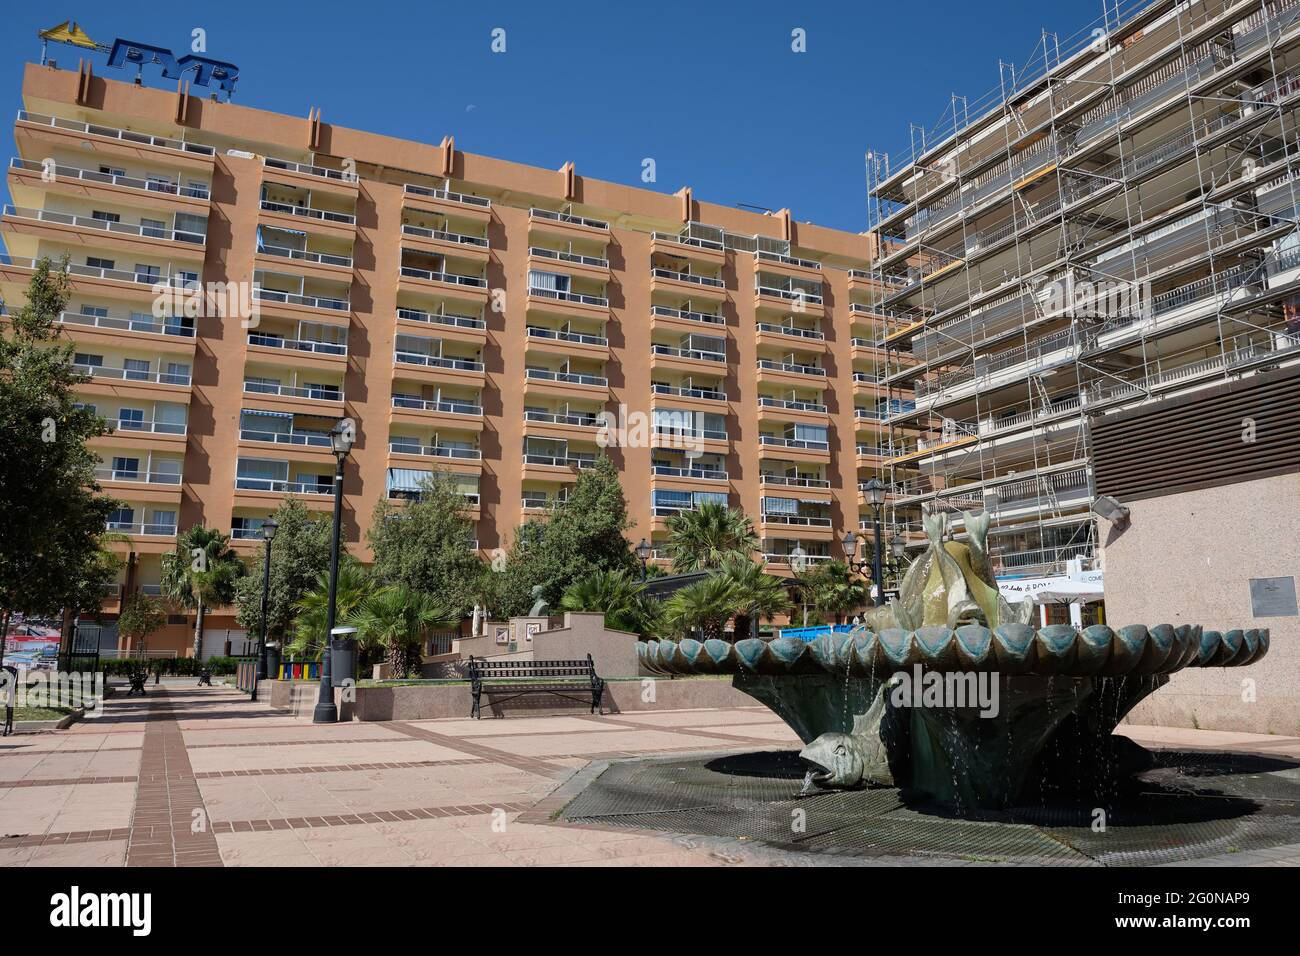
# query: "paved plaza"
193, 776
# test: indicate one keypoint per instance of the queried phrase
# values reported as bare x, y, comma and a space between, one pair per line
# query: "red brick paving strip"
527, 764
166, 797
374, 816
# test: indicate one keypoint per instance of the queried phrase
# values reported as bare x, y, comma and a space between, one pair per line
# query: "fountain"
949, 692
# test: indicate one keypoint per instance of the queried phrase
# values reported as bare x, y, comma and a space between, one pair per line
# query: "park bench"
520, 678
205, 677
137, 677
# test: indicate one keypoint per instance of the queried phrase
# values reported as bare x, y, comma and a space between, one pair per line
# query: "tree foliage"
583, 535
425, 545
141, 615
299, 553
307, 633
618, 596
202, 573
52, 536
396, 618
704, 538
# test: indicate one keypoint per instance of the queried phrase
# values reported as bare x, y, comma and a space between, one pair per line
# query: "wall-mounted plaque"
1273, 597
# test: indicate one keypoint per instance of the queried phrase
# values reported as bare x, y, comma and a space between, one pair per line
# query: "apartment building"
1114, 225
469, 314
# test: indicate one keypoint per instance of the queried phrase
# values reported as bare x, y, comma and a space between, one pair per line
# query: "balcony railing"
536, 332
813, 521
414, 447
547, 214
303, 255
709, 281
782, 442
441, 318
110, 132
788, 260
104, 225
116, 275
294, 391
108, 473
1039, 557
142, 527
789, 294
452, 237
153, 427
765, 401
445, 406
119, 324
596, 261
437, 361
708, 318
293, 298
308, 212
192, 191
573, 378
790, 330
451, 278
773, 557
704, 474
678, 431
596, 300
687, 241
283, 487
297, 345
712, 394
133, 375
791, 367
285, 438
791, 481
307, 169
587, 420
572, 460
696, 354
447, 195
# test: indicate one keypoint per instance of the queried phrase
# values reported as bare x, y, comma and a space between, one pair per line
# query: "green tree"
52, 554
202, 573
425, 544
703, 607
758, 595
836, 591
703, 538
583, 535
300, 552
396, 618
618, 596
307, 633
141, 615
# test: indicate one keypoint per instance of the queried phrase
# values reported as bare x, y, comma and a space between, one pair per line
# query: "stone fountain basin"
1012, 649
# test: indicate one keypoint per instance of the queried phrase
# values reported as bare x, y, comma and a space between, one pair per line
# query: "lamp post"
269, 527
341, 438
643, 552
874, 492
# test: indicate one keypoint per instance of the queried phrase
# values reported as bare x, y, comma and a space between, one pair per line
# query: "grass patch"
41, 713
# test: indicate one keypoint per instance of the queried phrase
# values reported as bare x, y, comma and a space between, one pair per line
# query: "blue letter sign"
205, 70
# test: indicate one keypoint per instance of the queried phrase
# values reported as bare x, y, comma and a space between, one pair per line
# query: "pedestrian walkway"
193, 776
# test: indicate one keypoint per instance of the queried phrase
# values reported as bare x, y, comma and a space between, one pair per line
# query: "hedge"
175, 666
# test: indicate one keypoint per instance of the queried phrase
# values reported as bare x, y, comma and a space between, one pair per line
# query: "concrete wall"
1188, 559
612, 652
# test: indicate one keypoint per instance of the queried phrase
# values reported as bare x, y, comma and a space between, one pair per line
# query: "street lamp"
269, 527
874, 493
643, 552
341, 438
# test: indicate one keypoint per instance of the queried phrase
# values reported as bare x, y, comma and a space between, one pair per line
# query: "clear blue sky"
711, 91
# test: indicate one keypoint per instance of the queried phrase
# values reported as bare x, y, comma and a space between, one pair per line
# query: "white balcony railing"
708, 318
430, 275
304, 255
106, 225
445, 406
535, 332
146, 376
141, 323
157, 185
547, 214
308, 212
695, 354
596, 261
264, 294
441, 318
414, 447
307, 169
437, 361
572, 378
314, 393
297, 345
142, 528
463, 199
111, 132
456, 238
108, 473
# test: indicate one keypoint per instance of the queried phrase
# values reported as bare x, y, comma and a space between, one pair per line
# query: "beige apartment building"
469, 314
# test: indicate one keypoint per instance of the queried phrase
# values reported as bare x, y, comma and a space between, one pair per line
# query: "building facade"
1114, 225
470, 315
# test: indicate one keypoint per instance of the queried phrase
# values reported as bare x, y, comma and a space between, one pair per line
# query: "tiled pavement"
201, 777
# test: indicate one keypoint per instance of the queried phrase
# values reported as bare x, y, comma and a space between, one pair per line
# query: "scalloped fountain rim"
1097, 650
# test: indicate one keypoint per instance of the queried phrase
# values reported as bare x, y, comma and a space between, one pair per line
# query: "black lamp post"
874, 493
643, 552
341, 438
269, 527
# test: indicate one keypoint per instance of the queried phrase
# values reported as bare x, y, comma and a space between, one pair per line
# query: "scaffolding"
1115, 222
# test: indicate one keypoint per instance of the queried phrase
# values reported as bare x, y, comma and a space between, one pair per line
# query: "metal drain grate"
1203, 806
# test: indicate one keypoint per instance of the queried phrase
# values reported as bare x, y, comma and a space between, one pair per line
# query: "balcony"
451, 407
38, 134
296, 353
802, 486
689, 474
685, 320
108, 475
447, 203
461, 327
562, 467
563, 302
147, 529
440, 367
687, 359
311, 398
167, 335
156, 192
44, 224
565, 384
715, 396
783, 264
673, 282
559, 342
775, 294
323, 265
783, 336
694, 249
797, 449
112, 375
138, 434
326, 222
96, 281
321, 179
791, 373
811, 527
561, 425
800, 411
338, 308
445, 242
459, 460
463, 287
566, 225
570, 263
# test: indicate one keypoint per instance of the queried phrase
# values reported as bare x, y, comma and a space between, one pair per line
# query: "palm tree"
758, 595
703, 538
704, 606
200, 574
396, 618
838, 591
308, 630
615, 594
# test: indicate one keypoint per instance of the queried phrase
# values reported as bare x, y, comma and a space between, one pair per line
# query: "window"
178, 373
550, 281
112, 171
257, 383
121, 518
135, 370
160, 184
101, 216
153, 228
94, 262
95, 310
130, 419
164, 522
88, 360
126, 469
187, 280
190, 227
145, 273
